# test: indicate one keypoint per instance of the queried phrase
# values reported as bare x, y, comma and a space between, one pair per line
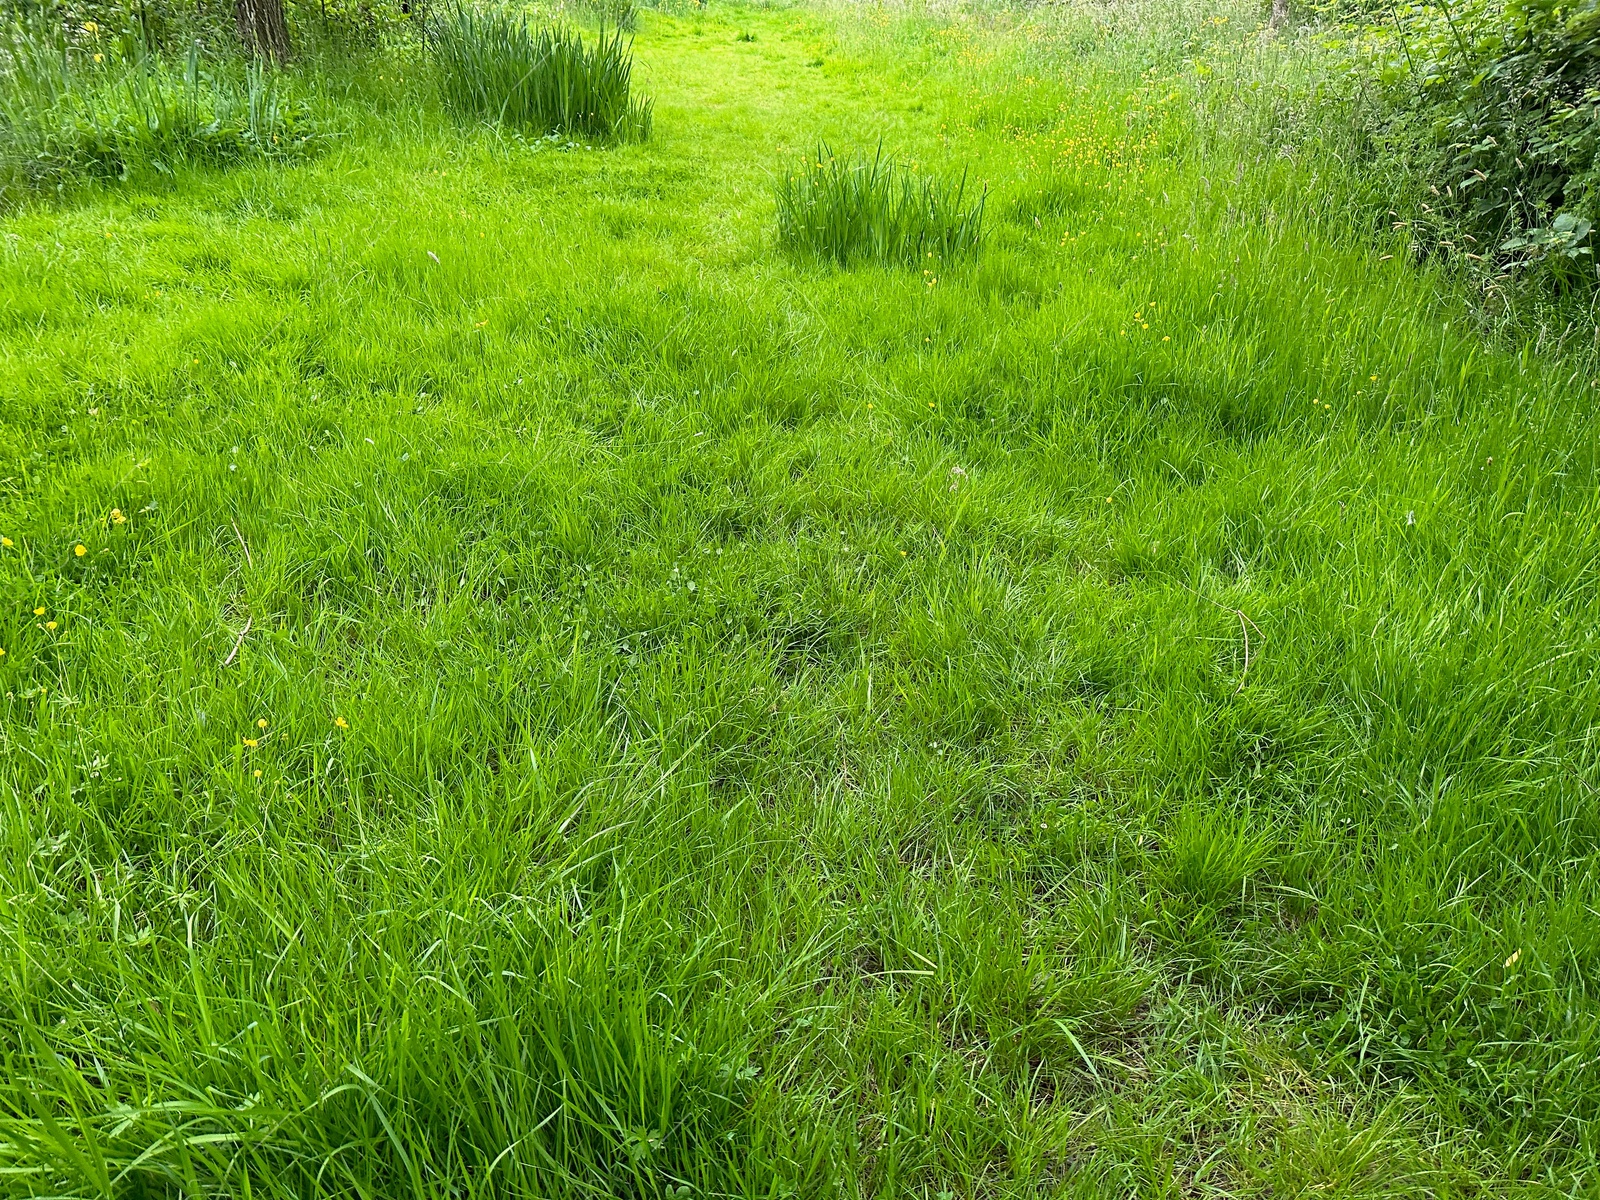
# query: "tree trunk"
262, 28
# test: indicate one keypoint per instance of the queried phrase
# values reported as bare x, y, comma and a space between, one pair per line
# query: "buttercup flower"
80, 549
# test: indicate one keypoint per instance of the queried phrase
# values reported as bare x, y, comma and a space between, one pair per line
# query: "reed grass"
492, 66
859, 207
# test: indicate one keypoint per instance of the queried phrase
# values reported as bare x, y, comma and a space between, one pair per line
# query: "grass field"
516, 686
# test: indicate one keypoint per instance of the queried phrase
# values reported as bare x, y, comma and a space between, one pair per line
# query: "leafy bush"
858, 208
1504, 97
67, 113
492, 66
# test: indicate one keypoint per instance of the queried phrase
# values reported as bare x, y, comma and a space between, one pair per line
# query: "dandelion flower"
80, 549
50, 625
341, 723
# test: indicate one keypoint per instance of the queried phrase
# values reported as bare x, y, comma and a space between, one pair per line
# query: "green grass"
492, 66
870, 208
1116, 721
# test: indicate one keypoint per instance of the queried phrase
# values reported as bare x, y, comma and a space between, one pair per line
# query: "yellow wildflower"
251, 742
80, 549
50, 625
258, 773
117, 518
39, 612
341, 723
261, 723
5, 541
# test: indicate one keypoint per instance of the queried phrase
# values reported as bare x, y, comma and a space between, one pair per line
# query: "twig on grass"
232, 654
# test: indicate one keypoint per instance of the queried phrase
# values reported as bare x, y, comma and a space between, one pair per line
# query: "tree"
263, 28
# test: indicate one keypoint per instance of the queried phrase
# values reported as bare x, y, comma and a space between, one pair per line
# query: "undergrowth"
68, 113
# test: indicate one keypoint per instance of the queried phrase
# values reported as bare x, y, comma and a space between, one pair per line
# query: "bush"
1504, 98
861, 208
69, 112
492, 66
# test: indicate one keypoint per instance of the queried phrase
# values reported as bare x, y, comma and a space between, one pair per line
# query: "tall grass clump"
70, 112
493, 67
859, 208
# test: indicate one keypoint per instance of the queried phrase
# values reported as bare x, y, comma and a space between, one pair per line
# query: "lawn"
515, 685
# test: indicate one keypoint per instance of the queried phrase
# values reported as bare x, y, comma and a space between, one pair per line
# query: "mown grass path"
557, 699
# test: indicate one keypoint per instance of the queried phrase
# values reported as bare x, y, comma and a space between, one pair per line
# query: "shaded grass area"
1116, 719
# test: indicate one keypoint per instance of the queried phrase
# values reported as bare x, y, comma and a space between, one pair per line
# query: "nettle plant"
1510, 94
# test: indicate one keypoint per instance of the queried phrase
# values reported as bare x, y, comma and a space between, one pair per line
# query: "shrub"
67, 113
492, 66
872, 208
1504, 99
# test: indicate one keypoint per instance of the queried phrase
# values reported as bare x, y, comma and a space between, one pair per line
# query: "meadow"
522, 679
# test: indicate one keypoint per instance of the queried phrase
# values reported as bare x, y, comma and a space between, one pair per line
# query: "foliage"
492, 66
71, 111
873, 208
1504, 95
